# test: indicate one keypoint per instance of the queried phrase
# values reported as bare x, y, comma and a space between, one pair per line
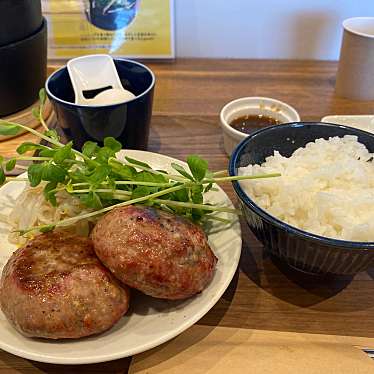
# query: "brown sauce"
247, 123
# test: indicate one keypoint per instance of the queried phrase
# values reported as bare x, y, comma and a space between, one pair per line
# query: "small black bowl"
23, 68
128, 122
300, 249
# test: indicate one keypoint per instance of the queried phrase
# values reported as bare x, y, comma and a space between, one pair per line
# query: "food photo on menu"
172, 203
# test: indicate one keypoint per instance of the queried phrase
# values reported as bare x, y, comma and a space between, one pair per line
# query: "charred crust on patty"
56, 287
161, 254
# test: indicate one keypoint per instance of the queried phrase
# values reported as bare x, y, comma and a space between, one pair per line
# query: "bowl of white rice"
318, 216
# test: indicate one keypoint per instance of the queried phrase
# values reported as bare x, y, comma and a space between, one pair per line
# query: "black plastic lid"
19, 19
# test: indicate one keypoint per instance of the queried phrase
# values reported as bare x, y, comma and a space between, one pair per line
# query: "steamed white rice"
326, 188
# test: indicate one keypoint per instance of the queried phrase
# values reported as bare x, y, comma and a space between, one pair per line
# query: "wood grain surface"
26, 118
264, 294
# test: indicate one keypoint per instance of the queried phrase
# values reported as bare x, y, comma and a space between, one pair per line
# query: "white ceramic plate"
362, 122
150, 322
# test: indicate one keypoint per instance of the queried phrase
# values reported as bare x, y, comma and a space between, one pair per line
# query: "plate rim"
348, 116
48, 358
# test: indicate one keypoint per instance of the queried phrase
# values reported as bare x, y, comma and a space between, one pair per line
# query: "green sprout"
103, 182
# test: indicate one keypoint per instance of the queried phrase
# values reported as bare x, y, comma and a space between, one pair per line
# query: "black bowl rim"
35, 35
50, 94
275, 221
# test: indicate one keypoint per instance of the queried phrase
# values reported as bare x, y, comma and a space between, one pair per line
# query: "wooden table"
263, 295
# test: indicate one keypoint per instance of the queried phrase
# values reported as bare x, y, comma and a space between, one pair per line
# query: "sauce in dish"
246, 123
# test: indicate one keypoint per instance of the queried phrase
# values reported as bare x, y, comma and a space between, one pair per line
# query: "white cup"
266, 106
355, 76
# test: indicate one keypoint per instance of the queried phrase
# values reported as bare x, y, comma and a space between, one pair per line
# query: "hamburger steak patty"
55, 287
156, 252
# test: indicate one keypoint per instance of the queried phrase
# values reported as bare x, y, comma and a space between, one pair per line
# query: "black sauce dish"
23, 68
300, 249
128, 122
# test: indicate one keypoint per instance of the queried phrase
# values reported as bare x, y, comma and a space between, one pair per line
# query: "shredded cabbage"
32, 209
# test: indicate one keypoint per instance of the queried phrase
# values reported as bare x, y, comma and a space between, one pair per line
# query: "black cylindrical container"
23, 68
19, 19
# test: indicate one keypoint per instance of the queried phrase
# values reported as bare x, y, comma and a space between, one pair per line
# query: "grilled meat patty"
55, 287
158, 253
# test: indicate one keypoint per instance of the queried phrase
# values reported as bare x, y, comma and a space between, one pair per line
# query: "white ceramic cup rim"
249, 100
353, 26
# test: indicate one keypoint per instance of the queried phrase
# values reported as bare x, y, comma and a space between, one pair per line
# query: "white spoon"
94, 72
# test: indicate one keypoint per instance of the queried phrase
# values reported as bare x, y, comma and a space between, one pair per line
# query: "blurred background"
295, 29
271, 29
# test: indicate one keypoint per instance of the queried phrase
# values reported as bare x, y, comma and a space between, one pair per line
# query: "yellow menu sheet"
131, 28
